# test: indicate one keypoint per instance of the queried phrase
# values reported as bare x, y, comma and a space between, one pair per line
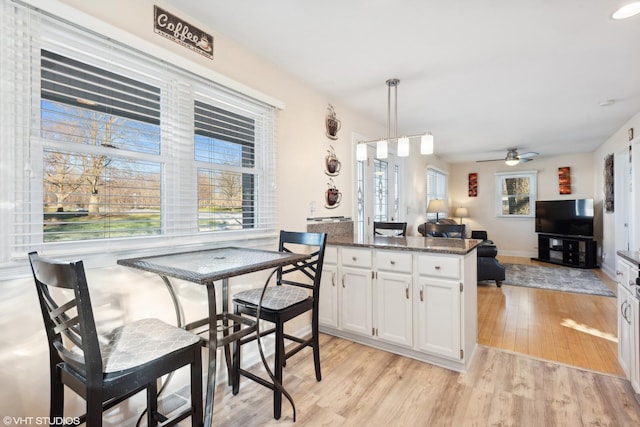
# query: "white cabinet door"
328, 303
394, 314
634, 342
438, 317
624, 330
355, 300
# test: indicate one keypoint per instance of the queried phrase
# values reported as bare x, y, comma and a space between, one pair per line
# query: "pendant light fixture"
403, 142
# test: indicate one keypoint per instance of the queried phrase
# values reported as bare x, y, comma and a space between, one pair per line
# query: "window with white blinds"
104, 147
437, 183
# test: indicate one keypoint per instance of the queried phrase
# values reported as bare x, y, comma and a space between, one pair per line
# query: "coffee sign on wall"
170, 26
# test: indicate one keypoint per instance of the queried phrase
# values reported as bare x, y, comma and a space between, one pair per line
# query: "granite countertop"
631, 256
411, 243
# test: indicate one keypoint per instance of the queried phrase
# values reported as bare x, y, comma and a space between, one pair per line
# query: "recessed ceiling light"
627, 11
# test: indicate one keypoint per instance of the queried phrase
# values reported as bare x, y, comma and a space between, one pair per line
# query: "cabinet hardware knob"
618, 273
333, 279
421, 294
437, 267
392, 262
406, 290
343, 280
353, 258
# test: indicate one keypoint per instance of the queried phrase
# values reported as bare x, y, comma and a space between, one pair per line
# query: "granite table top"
206, 266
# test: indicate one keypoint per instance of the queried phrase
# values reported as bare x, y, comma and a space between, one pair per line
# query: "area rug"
565, 279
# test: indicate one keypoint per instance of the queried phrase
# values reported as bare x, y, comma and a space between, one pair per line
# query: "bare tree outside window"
515, 194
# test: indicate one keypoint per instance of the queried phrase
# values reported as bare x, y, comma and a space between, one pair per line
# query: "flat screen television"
565, 217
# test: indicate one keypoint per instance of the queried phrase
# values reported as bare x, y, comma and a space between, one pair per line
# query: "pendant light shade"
382, 149
403, 147
426, 144
361, 152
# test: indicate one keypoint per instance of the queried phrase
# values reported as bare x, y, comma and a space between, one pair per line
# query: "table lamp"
462, 213
436, 206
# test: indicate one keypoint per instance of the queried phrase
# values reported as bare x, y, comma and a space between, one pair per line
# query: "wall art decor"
473, 185
173, 28
608, 183
333, 196
332, 163
332, 123
564, 180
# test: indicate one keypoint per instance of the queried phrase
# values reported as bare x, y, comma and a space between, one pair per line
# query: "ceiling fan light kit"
403, 142
513, 158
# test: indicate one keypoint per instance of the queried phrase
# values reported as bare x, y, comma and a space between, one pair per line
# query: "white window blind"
437, 183
104, 148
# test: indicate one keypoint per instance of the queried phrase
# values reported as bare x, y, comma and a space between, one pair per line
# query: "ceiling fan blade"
492, 160
528, 154
525, 159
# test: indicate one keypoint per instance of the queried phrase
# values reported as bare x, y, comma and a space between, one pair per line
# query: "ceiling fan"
513, 158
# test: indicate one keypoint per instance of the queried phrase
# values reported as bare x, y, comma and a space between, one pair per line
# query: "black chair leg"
279, 361
316, 347
94, 409
196, 389
57, 394
152, 404
235, 384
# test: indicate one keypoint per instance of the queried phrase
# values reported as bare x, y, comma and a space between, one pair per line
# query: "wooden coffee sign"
174, 28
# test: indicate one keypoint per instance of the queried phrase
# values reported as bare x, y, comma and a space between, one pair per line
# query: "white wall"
617, 142
516, 236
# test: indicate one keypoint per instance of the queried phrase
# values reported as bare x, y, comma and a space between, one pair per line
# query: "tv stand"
572, 251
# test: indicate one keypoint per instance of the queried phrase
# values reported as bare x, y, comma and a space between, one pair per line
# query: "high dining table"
204, 267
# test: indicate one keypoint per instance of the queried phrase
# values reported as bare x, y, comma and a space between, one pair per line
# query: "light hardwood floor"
575, 329
508, 383
362, 386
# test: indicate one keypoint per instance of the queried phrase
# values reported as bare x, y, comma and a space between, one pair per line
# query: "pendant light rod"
392, 83
426, 138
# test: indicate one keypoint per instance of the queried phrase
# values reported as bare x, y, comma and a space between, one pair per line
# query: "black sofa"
488, 266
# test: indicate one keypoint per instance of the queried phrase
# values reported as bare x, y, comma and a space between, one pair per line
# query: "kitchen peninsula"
412, 296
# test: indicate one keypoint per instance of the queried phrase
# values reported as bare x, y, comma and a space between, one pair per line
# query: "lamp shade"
462, 213
436, 206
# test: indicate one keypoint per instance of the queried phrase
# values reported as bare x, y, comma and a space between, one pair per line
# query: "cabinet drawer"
331, 255
394, 261
355, 257
439, 266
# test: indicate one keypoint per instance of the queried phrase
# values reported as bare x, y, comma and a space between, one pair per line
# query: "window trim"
533, 192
